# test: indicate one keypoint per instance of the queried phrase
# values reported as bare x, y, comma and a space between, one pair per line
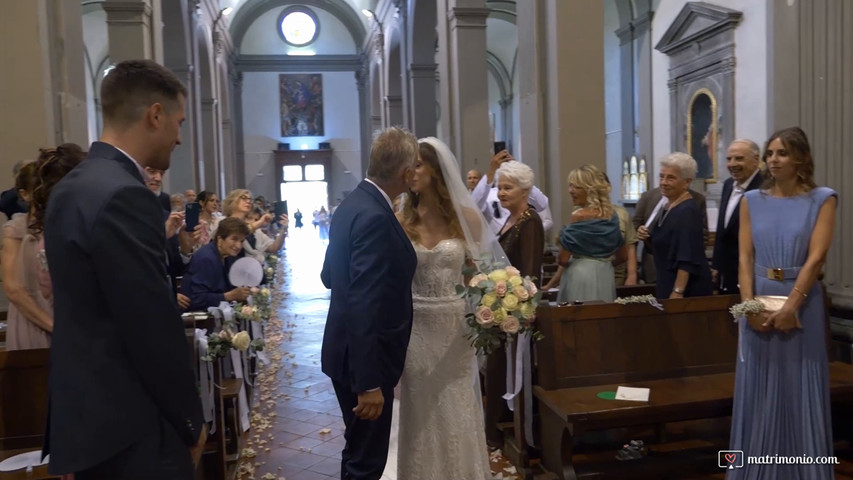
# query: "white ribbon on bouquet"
521, 380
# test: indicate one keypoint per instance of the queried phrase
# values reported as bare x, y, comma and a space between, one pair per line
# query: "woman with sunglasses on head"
239, 204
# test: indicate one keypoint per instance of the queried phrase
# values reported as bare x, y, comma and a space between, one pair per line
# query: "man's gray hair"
517, 173
754, 149
393, 149
682, 162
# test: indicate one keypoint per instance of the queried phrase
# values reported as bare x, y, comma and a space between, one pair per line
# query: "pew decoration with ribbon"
650, 299
271, 260
503, 306
219, 344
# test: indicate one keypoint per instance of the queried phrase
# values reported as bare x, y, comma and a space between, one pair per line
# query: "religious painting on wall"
702, 133
301, 104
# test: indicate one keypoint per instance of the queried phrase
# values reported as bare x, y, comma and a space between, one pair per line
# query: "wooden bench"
685, 355
593, 348
23, 407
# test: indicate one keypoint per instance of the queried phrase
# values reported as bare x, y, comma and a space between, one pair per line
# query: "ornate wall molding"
288, 63
700, 44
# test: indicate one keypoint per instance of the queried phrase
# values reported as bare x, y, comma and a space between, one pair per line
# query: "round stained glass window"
298, 26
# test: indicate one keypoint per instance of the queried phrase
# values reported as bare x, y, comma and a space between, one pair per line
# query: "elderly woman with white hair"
523, 240
676, 237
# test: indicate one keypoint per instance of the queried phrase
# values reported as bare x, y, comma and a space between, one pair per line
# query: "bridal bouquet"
504, 305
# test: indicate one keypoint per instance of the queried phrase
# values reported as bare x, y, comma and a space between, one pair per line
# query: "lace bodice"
439, 269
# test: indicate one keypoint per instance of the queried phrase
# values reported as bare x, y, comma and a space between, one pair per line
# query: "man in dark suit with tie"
369, 266
123, 398
743, 159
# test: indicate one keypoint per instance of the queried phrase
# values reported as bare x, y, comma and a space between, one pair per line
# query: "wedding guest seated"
676, 236
30, 315
206, 281
589, 243
238, 204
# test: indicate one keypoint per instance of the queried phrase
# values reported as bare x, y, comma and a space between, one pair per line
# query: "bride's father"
369, 267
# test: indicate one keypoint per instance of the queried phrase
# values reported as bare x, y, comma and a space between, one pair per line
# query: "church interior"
284, 97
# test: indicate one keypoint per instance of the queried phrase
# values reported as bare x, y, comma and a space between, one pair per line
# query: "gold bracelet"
800, 292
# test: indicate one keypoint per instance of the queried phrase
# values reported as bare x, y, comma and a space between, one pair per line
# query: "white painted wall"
263, 37
97, 44
262, 131
494, 107
751, 119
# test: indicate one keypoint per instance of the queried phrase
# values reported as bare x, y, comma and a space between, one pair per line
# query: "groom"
369, 267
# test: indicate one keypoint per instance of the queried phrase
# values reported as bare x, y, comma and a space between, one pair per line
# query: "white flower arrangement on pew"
650, 299
220, 343
504, 305
271, 260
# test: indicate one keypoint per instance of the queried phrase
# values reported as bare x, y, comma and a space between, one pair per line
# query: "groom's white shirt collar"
385, 195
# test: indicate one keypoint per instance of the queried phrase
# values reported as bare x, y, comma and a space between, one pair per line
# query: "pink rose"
521, 293
531, 288
510, 325
254, 290
500, 288
484, 316
246, 311
477, 279
512, 271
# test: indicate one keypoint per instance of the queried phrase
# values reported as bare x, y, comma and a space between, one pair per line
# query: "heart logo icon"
731, 457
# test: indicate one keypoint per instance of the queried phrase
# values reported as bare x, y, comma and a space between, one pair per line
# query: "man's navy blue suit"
123, 397
726, 256
369, 266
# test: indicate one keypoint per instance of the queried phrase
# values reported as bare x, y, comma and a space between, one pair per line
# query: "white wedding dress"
441, 431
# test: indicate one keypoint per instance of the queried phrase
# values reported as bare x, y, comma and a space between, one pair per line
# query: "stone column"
422, 86
561, 88
129, 23
365, 119
42, 87
394, 110
237, 115
208, 150
182, 169
506, 120
462, 44
643, 69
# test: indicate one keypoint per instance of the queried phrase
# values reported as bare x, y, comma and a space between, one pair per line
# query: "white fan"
23, 460
246, 272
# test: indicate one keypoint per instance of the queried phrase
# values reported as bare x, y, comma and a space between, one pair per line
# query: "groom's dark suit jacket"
725, 259
369, 266
119, 370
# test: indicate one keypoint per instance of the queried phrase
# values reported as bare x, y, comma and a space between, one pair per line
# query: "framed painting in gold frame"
702, 132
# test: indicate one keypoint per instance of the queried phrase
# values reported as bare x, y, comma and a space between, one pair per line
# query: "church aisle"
297, 433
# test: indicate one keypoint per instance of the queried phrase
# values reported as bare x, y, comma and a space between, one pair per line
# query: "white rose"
477, 279
510, 325
512, 272
241, 341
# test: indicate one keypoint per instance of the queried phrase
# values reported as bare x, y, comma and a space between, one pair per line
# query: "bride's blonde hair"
410, 218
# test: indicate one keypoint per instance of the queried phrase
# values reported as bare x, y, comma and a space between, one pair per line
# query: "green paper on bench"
606, 395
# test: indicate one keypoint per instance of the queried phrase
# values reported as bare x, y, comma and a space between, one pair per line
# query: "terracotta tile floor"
305, 437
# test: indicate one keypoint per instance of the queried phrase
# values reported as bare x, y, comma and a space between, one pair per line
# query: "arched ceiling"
347, 11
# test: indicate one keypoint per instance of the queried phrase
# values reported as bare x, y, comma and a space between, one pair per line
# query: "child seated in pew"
206, 281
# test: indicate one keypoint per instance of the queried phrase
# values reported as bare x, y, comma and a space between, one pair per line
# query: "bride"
441, 434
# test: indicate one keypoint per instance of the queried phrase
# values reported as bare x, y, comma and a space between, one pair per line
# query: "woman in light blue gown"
781, 401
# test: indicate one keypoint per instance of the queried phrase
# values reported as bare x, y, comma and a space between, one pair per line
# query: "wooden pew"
685, 355
23, 406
